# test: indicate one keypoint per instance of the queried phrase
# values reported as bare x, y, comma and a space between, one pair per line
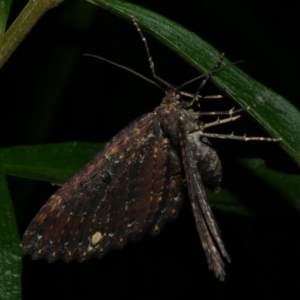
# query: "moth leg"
232, 118
239, 138
218, 121
232, 111
231, 136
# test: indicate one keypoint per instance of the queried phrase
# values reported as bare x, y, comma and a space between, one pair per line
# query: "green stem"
22, 25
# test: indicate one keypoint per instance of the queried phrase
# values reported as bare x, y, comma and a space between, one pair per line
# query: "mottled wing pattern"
206, 224
125, 191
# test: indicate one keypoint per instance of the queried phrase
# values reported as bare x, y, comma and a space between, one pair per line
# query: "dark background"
54, 94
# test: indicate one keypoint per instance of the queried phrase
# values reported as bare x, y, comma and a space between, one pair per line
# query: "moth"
166, 157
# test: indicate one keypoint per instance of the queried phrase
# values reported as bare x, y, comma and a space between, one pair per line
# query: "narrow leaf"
276, 115
55, 163
4, 13
10, 250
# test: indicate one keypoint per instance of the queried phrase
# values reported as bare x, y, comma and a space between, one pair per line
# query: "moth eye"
177, 96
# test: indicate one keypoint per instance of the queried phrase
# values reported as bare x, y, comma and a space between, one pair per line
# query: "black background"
54, 94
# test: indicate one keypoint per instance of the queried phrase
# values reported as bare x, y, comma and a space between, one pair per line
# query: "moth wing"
206, 224
132, 186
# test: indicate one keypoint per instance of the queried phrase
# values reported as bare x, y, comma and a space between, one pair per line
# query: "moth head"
173, 96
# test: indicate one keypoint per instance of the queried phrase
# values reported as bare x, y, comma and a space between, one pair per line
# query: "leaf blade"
277, 116
4, 13
10, 250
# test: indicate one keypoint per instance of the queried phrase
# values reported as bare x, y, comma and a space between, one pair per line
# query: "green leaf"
276, 184
227, 201
4, 13
10, 250
286, 186
54, 163
276, 115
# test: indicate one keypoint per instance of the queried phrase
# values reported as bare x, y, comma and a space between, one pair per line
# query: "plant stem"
22, 25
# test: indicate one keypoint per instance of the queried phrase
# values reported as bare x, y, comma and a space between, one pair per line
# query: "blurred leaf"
226, 201
277, 116
10, 250
54, 163
285, 185
58, 162
4, 13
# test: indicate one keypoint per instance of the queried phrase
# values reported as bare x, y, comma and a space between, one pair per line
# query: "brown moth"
137, 183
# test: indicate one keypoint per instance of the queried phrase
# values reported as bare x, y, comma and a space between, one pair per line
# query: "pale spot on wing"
55, 203
96, 238
57, 198
177, 198
131, 224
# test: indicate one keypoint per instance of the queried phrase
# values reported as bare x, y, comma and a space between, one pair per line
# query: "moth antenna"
125, 68
212, 72
207, 76
151, 63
